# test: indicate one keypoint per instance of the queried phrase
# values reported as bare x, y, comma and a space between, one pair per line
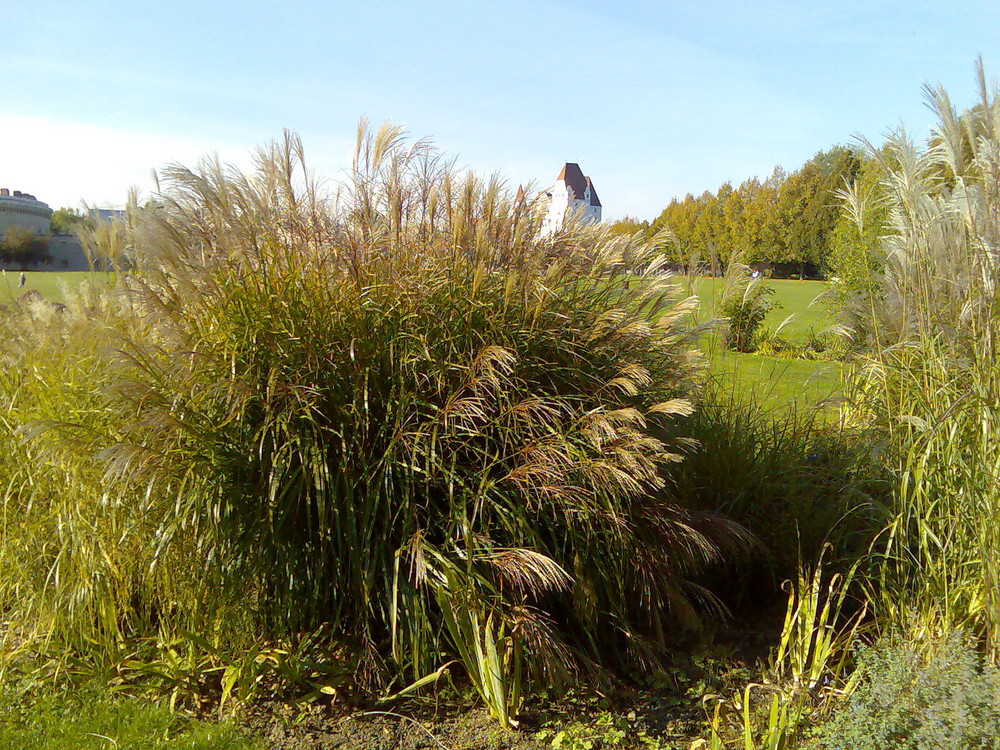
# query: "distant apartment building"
573, 194
107, 214
23, 210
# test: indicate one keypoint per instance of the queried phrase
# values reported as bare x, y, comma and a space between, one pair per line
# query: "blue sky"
653, 99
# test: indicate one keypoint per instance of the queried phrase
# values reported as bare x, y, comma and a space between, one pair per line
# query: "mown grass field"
795, 298
779, 383
772, 381
92, 718
52, 285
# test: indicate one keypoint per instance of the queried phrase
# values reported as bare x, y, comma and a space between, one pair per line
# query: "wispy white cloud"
64, 163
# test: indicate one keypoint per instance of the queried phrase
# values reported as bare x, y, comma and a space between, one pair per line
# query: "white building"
23, 210
573, 194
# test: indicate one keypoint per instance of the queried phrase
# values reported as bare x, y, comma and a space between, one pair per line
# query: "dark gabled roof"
594, 200
577, 183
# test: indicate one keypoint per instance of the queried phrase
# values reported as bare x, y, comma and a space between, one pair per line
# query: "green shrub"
746, 302
947, 698
21, 245
827, 344
401, 414
857, 255
65, 219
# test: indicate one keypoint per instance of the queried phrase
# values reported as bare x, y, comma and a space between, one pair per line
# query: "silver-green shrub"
946, 699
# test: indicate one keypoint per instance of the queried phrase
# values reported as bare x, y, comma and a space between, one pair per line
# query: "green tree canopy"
786, 220
63, 220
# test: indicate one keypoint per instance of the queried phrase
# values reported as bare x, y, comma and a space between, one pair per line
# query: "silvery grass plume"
939, 258
930, 392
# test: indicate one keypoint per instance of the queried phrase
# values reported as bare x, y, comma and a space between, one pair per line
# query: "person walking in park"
21, 281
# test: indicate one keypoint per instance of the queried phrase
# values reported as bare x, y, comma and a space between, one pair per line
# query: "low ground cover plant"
945, 696
91, 716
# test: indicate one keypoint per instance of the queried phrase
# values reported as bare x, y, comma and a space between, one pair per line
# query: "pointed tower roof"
594, 200
575, 181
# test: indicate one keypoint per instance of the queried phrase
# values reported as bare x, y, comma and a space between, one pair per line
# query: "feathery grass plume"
939, 255
857, 259
398, 411
931, 390
744, 305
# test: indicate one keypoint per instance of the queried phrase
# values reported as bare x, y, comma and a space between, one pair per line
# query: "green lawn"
777, 383
794, 297
93, 719
50, 284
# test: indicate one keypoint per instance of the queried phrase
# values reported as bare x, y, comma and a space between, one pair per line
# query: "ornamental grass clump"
930, 392
397, 412
746, 302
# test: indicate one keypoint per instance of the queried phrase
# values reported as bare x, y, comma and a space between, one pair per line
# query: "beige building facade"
23, 210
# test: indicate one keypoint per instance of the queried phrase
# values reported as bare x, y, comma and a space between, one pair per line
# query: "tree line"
787, 223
